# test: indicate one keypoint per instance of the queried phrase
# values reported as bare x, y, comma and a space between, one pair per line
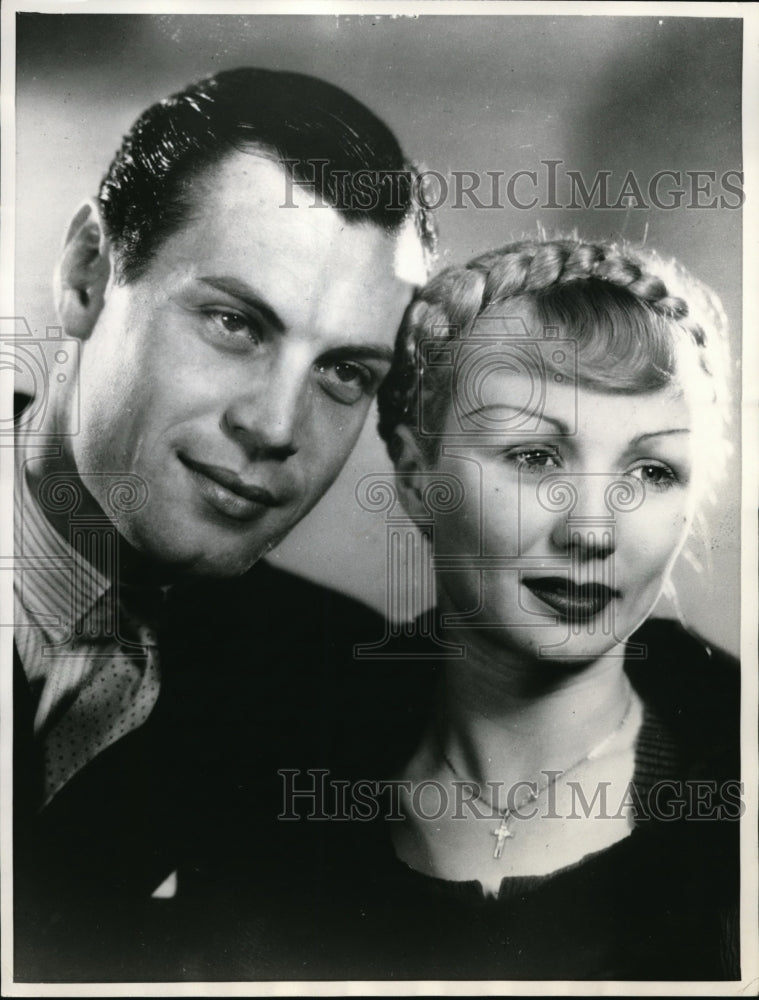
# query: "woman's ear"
83, 271
410, 464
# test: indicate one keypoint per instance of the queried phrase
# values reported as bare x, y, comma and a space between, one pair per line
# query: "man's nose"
586, 520
267, 419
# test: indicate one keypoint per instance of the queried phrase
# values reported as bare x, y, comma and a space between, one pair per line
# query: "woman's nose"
585, 508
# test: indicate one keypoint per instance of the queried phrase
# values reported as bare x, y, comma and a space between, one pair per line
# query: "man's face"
234, 376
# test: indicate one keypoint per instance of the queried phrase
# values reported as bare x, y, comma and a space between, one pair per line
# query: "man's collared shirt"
91, 664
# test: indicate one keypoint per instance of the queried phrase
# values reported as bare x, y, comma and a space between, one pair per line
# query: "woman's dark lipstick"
571, 601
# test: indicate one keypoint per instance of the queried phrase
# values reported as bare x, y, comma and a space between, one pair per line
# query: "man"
234, 291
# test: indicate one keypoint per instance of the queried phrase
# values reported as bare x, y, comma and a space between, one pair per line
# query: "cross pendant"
502, 834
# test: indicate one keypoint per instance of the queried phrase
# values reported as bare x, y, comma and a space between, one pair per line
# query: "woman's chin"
559, 645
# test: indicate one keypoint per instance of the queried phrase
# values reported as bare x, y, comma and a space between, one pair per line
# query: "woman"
561, 786
574, 395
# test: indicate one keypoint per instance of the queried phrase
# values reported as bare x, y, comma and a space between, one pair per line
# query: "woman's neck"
507, 716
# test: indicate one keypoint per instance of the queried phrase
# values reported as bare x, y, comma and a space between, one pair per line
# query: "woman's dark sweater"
661, 904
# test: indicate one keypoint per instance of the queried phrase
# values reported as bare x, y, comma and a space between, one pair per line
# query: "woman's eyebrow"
240, 290
524, 411
651, 434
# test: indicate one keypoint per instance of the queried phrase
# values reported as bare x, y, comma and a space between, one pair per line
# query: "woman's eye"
654, 476
533, 459
346, 381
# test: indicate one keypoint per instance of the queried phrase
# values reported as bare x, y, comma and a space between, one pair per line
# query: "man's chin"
170, 560
217, 565
210, 568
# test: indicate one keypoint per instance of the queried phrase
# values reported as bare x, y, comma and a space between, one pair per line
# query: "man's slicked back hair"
324, 138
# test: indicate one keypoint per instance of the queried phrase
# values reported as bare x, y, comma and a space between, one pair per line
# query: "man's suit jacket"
256, 676
259, 676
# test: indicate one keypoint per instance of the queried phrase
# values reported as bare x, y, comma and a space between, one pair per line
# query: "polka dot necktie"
116, 698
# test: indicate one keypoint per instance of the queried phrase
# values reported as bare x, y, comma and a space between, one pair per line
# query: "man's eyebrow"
360, 352
523, 411
239, 290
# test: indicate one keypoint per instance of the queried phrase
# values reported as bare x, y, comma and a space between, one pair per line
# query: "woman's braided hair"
557, 278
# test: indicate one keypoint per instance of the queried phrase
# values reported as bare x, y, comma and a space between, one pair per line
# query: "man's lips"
575, 602
228, 493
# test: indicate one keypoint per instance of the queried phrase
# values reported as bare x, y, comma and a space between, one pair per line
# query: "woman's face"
574, 510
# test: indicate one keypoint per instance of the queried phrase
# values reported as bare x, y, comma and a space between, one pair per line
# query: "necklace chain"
503, 832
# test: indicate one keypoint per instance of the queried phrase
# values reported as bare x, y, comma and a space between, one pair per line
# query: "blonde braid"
523, 268
448, 307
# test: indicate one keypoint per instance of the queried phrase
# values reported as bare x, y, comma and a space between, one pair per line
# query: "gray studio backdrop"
482, 95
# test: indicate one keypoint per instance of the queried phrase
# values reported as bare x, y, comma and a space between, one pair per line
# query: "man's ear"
411, 465
83, 271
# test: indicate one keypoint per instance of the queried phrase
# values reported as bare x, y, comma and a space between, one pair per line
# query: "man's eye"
533, 459
655, 476
233, 329
346, 381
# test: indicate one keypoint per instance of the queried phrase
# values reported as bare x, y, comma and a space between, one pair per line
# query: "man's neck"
52, 475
